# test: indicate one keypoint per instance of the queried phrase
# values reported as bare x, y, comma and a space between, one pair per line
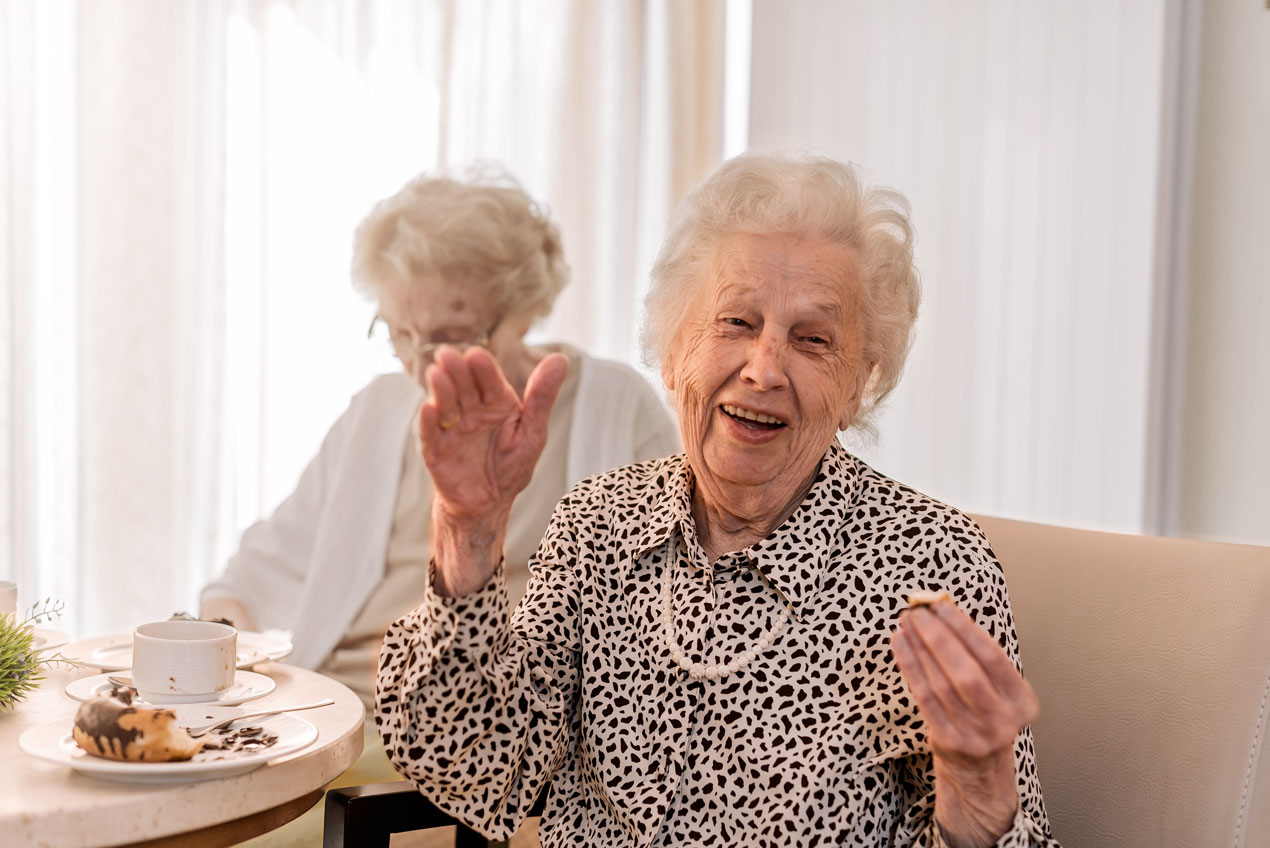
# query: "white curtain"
182, 178
1030, 139
109, 223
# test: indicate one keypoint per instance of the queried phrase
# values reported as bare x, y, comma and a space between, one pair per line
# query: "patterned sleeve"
965, 551
475, 705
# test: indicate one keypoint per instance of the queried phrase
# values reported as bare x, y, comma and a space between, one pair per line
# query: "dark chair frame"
366, 817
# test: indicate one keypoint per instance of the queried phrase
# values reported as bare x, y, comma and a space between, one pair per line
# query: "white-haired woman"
711, 650
468, 263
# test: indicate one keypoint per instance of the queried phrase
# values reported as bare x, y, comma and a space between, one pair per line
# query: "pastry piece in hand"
110, 726
926, 599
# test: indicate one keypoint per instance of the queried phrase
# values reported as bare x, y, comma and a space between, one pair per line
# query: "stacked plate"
113, 655
52, 742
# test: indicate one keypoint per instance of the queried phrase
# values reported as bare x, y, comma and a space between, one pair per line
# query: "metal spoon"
203, 730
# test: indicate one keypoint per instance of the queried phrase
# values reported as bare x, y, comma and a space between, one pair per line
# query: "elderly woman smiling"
714, 648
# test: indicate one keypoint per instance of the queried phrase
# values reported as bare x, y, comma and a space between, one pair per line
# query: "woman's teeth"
738, 412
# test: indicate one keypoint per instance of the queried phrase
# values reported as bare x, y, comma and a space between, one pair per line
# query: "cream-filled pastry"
110, 726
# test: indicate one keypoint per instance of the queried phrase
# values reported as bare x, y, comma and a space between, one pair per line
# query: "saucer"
47, 640
248, 686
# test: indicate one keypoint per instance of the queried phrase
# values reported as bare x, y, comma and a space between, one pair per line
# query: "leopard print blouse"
816, 741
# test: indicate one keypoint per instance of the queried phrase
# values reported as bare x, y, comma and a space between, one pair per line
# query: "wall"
1225, 491
1028, 138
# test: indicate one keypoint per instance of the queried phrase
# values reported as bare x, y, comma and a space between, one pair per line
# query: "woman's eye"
815, 340
736, 322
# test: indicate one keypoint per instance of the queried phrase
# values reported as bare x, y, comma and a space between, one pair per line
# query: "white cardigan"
310, 567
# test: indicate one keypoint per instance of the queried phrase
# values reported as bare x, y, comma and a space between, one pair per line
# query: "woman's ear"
668, 355
848, 415
862, 379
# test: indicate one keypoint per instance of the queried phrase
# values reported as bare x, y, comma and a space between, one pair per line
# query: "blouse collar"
815, 526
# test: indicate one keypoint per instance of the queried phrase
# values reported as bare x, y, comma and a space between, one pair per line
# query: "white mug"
183, 662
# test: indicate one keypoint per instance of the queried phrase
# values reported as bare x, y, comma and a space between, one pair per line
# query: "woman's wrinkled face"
421, 315
767, 366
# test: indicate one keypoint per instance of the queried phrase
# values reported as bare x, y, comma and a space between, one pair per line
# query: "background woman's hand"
973, 702
480, 443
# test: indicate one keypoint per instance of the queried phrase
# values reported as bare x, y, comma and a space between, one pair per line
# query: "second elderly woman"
715, 647
469, 261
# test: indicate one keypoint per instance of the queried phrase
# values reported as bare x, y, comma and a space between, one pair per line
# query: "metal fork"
204, 729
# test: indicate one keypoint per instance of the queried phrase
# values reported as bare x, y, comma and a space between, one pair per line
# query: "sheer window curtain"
109, 235
181, 184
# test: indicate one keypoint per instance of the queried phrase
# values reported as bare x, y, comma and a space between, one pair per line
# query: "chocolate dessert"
110, 726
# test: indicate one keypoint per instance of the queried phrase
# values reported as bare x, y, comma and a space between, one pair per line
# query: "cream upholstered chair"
1151, 659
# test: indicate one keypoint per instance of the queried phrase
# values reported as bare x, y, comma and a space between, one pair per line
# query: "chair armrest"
366, 816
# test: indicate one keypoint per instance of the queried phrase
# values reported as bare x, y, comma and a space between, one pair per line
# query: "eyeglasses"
406, 350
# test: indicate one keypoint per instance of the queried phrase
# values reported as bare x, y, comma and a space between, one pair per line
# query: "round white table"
44, 804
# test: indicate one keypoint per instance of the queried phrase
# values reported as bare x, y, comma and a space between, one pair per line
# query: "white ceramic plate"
248, 686
114, 653
54, 743
47, 640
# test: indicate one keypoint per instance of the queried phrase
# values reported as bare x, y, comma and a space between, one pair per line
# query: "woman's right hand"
480, 443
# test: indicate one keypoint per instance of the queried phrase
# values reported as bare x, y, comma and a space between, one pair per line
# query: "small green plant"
21, 663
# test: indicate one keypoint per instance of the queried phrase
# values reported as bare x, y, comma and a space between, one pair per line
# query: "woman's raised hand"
480, 443
973, 702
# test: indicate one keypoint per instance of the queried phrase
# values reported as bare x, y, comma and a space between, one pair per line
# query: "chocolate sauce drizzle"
241, 740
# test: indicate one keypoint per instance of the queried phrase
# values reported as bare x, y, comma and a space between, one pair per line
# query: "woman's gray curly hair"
480, 229
805, 195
